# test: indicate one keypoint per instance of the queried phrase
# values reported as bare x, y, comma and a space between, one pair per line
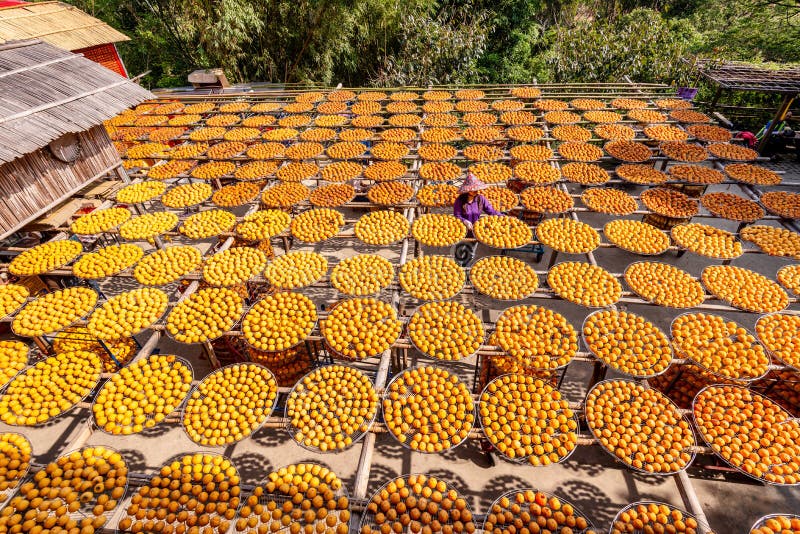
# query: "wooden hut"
64, 26
52, 141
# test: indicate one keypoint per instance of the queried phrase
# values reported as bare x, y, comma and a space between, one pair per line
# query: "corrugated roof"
59, 24
48, 92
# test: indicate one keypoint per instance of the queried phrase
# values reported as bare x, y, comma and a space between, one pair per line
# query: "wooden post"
691, 501
123, 174
779, 115
42, 344
212, 356
598, 374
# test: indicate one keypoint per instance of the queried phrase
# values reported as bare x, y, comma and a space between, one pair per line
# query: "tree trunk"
307, 41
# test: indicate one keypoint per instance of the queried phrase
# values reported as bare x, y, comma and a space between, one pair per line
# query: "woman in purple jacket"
470, 204
468, 207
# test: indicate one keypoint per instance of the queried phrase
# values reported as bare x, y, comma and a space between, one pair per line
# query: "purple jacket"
472, 211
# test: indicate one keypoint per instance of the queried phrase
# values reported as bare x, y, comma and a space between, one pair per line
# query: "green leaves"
436, 50
421, 42
641, 44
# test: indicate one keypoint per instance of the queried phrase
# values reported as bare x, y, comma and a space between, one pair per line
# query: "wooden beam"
691, 501
39, 65
368, 446
19, 44
72, 28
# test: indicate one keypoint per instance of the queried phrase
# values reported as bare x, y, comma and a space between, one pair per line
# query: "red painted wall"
106, 55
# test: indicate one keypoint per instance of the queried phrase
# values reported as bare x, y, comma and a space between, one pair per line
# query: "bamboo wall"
37, 182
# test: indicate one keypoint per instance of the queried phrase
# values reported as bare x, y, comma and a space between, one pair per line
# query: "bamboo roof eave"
57, 23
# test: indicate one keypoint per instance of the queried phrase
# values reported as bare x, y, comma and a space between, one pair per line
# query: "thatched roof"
48, 92
59, 24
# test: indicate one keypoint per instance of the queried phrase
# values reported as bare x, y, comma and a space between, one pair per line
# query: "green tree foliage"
514, 43
436, 48
641, 44
754, 30
160, 37
420, 42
